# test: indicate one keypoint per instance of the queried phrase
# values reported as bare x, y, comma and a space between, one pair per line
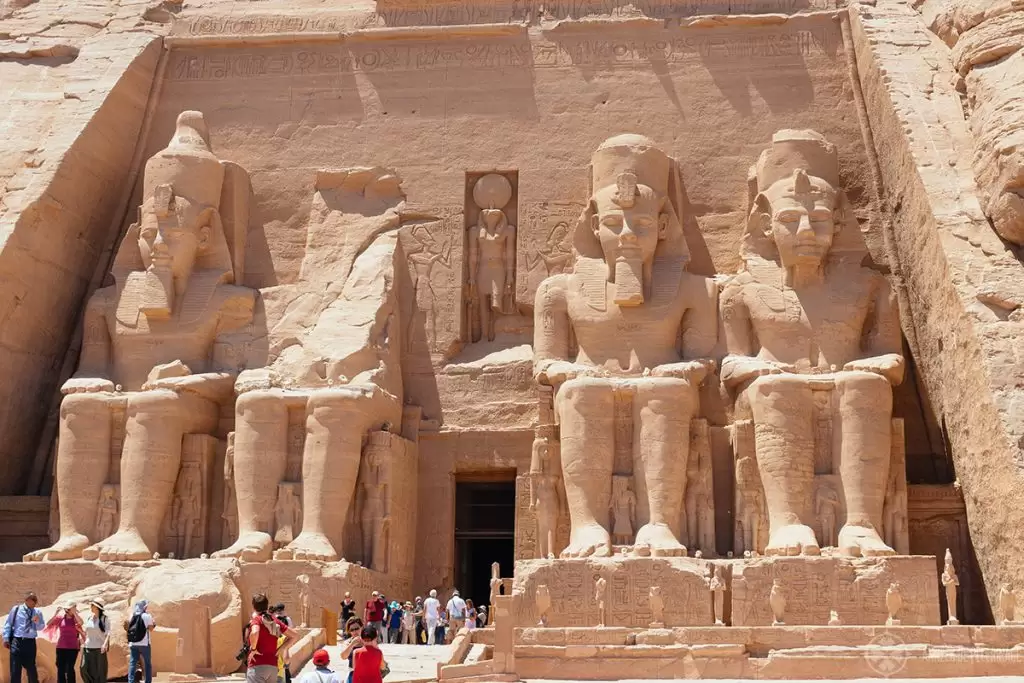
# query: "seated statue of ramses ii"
156, 350
623, 323
802, 317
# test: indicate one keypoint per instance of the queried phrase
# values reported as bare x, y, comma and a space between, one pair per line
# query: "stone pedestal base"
854, 587
571, 584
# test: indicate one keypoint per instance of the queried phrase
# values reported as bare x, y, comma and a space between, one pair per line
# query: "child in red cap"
322, 673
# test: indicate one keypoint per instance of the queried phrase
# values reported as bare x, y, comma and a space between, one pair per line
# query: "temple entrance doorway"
485, 517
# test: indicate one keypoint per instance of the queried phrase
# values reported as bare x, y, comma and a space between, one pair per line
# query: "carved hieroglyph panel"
627, 593
855, 588
434, 250
545, 247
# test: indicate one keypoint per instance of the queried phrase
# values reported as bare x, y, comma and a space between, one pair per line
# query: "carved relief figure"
657, 607
950, 581
230, 514
1007, 605
717, 586
893, 603
750, 502
777, 603
335, 359
623, 510
495, 589
802, 315
163, 333
187, 508
545, 497
700, 508
107, 515
625, 304
826, 508
375, 515
600, 592
287, 514
543, 602
492, 257
894, 512
302, 581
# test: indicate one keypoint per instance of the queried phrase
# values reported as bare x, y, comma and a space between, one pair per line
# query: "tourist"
139, 628
20, 632
353, 629
97, 642
470, 615
281, 614
440, 629
69, 640
284, 675
421, 634
408, 625
265, 642
348, 608
321, 673
456, 610
394, 622
369, 660
481, 617
431, 615
373, 613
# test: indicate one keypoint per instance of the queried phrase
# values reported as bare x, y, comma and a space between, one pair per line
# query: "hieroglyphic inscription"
623, 462
296, 444
526, 521
545, 247
503, 52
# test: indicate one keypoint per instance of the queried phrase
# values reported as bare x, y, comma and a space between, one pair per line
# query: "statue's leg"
784, 439
336, 422
157, 421
261, 454
863, 415
83, 463
585, 410
663, 408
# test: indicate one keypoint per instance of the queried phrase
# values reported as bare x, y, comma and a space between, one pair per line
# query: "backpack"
136, 629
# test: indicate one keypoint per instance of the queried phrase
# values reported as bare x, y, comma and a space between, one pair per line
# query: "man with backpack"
20, 631
266, 636
139, 628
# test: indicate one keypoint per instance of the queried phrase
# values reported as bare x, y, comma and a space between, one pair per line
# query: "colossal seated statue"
634, 315
154, 352
805, 317
335, 363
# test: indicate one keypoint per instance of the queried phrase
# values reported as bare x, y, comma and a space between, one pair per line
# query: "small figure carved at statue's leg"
864, 403
783, 432
336, 421
585, 407
663, 408
157, 420
83, 461
261, 450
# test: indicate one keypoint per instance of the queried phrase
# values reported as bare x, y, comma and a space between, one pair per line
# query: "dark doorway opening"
485, 518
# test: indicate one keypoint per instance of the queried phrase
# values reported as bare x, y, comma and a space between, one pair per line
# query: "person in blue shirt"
23, 624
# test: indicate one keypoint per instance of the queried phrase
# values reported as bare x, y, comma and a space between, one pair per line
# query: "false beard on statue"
158, 292
629, 277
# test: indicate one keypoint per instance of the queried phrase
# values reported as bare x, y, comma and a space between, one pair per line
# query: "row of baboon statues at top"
803, 319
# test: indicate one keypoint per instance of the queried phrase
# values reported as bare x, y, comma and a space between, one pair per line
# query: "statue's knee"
866, 387
584, 389
152, 401
259, 402
677, 395
82, 405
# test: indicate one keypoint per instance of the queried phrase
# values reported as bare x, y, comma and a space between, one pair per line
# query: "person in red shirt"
369, 660
264, 633
374, 612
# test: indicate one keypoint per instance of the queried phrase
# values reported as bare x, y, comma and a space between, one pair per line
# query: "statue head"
179, 227
492, 193
630, 227
799, 216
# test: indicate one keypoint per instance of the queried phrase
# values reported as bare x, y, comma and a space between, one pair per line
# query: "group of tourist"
420, 622
71, 634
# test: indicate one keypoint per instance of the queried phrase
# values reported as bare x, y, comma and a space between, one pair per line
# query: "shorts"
261, 674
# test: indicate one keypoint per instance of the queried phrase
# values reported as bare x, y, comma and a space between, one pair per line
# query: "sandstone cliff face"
76, 79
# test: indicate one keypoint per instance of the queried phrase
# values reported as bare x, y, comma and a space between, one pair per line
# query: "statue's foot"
662, 541
252, 546
66, 548
310, 546
124, 545
793, 539
857, 541
592, 540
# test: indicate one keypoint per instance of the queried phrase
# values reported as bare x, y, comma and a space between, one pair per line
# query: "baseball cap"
321, 658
